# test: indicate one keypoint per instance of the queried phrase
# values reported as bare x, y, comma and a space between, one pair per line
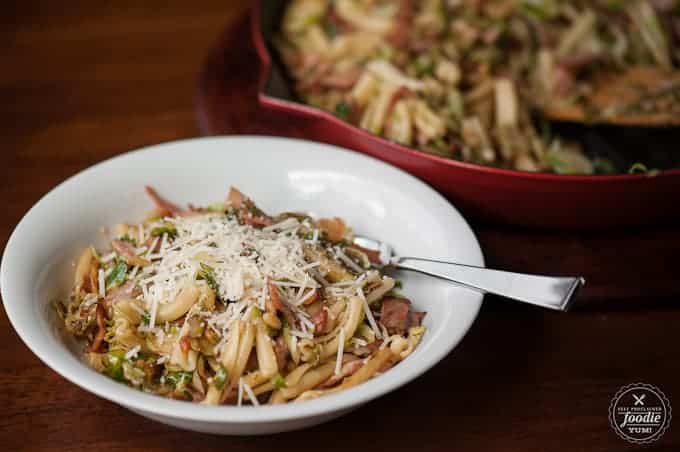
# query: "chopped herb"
114, 367
130, 240
117, 275
423, 65
541, 10
165, 229
217, 207
398, 284
395, 293
207, 273
279, 382
146, 318
366, 333
221, 377
343, 110
178, 379
330, 29
439, 147
311, 20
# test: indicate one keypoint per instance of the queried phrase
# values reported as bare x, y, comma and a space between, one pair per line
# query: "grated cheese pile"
231, 305
241, 258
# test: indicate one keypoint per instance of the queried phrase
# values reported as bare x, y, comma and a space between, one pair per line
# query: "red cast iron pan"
499, 195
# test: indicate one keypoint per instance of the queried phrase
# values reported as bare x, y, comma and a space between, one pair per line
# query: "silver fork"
546, 291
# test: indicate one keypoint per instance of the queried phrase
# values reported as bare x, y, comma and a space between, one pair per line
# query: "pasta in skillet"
228, 305
464, 79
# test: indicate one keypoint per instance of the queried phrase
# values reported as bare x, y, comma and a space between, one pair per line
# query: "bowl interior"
279, 174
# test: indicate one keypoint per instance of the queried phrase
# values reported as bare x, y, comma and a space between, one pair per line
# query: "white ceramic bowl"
280, 174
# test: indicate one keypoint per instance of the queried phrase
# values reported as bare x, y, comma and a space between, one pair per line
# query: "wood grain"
83, 81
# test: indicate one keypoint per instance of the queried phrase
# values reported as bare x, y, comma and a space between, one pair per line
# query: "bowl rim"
292, 107
77, 372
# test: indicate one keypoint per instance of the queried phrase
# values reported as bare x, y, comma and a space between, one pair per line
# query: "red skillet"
515, 197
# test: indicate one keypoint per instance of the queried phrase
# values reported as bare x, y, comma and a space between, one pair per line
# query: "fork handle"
546, 291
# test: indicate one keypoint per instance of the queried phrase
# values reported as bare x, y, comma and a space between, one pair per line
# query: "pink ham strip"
127, 252
165, 207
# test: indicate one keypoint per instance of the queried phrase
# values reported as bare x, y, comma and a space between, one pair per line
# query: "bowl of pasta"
213, 284
488, 103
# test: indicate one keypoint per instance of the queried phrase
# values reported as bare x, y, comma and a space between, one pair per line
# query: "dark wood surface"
82, 81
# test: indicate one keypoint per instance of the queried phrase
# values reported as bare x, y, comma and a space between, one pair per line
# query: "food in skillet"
464, 79
228, 305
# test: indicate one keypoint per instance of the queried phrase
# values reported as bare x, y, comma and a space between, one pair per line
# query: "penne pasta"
355, 314
260, 307
501, 62
212, 396
266, 358
244, 349
232, 346
179, 306
309, 380
381, 359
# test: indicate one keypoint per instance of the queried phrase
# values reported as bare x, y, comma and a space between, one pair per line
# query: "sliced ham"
394, 314
320, 321
165, 208
402, 27
421, 44
255, 220
563, 81
235, 198
274, 296
248, 213
576, 62
150, 241
274, 303
281, 351
185, 344
98, 341
127, 290
312, 298
348, 369
415, 318
127, 252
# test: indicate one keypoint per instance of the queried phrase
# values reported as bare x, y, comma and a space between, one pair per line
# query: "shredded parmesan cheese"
108, 258
369, 314
341, 350
249, 391
132, 353
239, 400
101, 283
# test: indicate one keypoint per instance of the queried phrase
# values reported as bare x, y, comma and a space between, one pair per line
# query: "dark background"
83, 81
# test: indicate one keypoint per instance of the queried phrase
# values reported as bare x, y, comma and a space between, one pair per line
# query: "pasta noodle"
464, 79
234, 306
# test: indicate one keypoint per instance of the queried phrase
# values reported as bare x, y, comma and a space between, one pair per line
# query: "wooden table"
83, 81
